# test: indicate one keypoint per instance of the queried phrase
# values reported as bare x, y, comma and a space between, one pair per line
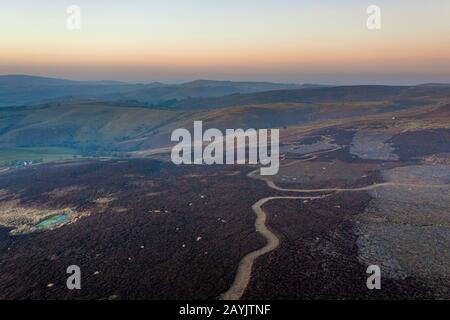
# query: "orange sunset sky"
174, 40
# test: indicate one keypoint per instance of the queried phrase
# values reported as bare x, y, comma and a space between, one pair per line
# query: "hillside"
319, 94
91, 126
17, 90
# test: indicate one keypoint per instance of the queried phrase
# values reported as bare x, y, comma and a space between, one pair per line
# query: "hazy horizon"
186, 80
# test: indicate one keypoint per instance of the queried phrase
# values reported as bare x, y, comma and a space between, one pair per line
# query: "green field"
12, 156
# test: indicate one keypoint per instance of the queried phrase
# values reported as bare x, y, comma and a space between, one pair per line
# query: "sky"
302, 41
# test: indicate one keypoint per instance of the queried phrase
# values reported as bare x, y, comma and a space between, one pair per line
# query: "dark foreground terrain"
129, 247
360, 183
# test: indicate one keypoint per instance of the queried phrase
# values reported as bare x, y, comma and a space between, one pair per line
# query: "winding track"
272, 185
244, 271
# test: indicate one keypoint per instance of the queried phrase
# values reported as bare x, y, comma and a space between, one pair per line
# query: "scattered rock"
53, 257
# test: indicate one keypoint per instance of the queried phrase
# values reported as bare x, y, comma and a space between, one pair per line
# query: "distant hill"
170, 95
434, 85
306, 95
318, 95
17, 90
91, 125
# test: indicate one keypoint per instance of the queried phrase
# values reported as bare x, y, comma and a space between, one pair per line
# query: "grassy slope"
121, 127
81, 124
10, 156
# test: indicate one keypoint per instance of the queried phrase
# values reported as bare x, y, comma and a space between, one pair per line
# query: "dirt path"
244, 271
272, 185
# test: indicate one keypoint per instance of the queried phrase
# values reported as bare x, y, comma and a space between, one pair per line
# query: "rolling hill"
318, 95
92, 126
18, 90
